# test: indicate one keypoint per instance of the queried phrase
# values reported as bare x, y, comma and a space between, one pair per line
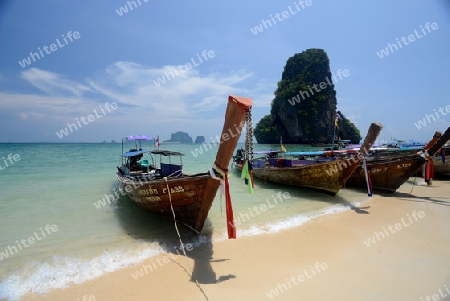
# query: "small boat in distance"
164, 188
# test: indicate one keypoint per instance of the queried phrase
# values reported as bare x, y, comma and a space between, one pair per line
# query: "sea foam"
62, 272
287, 223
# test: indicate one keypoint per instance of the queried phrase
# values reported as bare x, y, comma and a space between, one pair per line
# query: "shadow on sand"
420, 199
340, 200
410, 197
202, 255
142, 225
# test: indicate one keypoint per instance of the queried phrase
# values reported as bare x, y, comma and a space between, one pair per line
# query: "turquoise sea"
53, 236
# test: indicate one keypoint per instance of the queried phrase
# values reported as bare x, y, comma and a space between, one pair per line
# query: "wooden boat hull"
441, 169
388, 173
327, 177
190, 196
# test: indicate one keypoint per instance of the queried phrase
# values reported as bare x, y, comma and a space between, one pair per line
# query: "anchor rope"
181, 242
222, 185
225, 189
247, 166
414, 183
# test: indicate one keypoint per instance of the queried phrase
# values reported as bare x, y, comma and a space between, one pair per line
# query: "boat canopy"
166, 153
313, 153
134, 153
139, 137
266, 152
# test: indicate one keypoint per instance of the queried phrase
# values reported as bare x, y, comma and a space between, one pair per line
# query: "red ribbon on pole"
429, 171
229, 209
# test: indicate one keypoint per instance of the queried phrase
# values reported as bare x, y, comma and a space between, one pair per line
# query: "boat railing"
289, 161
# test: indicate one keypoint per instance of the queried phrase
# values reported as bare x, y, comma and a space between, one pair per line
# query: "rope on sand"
181, 242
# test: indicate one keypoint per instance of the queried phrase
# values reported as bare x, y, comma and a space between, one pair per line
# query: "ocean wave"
62, 272
288, 223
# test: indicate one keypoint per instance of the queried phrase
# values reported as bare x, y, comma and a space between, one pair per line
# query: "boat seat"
144, 164
172, 170
258, 163
273, 162
287, 163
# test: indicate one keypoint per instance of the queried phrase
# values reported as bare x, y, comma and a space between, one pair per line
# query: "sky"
168, 66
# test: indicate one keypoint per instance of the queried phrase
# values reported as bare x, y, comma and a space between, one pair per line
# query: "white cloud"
52, 83
187, 101
184, 93
168, 91
27, 115
36, 105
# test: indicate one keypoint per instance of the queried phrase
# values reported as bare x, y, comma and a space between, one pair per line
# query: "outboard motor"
239, 157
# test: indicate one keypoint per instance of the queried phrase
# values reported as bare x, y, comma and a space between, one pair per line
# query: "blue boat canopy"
166, 153
134, 153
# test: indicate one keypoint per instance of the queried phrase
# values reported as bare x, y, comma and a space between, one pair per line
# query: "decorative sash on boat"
248, 176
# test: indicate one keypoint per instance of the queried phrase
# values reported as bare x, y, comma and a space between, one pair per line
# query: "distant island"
182, 137
304, 108
179, 137
199, 139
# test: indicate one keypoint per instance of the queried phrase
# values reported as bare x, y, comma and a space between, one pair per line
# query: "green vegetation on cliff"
304, 108
347, 129
265, 130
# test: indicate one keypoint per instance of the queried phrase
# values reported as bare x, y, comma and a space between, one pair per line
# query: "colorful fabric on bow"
248, 176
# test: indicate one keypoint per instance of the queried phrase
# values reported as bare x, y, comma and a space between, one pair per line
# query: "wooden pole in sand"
232, 128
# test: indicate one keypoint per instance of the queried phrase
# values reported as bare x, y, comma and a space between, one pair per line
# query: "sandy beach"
393, 247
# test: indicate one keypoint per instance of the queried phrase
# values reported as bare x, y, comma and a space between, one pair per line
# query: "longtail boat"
166, 189
388, 173
325, 175
442, 162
